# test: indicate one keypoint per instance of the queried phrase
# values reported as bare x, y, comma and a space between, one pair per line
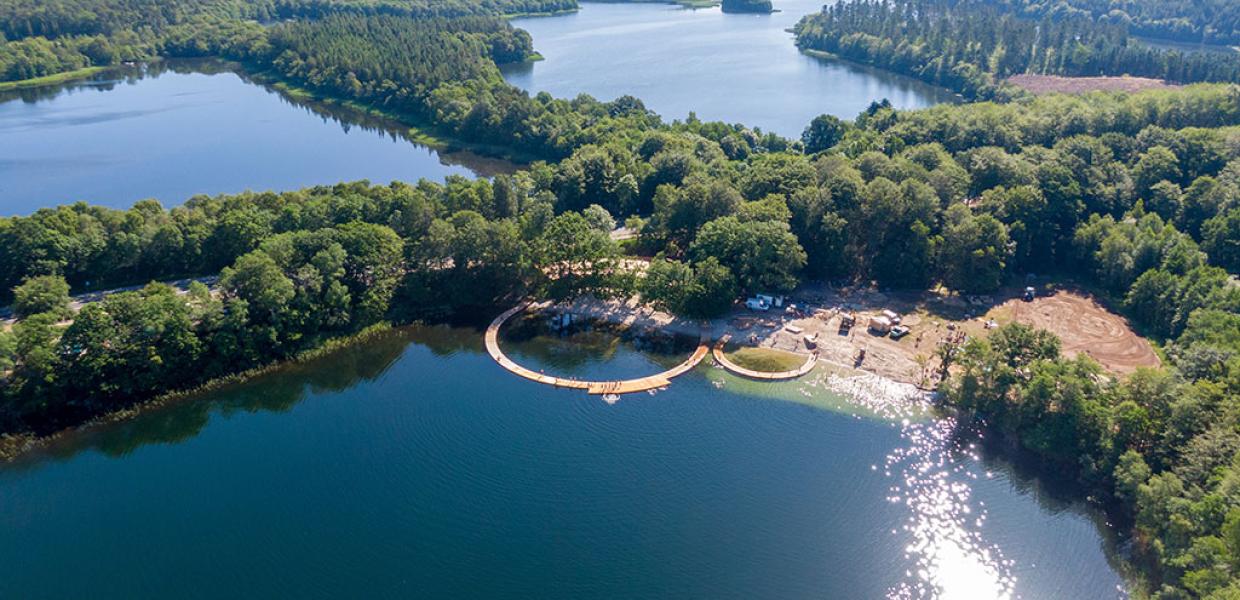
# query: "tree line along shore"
1137, 194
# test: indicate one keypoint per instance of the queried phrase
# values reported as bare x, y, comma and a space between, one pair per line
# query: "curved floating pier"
624, 386
734, 368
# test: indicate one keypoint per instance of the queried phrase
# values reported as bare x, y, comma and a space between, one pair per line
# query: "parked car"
899, 331
757, 304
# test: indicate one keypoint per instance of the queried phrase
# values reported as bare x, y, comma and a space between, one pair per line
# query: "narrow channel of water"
174, 130
737, 68
413, 465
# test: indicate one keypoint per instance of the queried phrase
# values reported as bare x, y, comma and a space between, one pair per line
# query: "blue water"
737, 68
170, 134
413, 466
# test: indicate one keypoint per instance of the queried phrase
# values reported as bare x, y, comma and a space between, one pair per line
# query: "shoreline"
53, 79
415, 130
16, 445
761, 330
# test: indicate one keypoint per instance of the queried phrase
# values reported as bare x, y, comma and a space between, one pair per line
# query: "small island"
747, 6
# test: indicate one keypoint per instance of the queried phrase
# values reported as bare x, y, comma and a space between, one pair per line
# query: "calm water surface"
168, 135
413, 466
738, 68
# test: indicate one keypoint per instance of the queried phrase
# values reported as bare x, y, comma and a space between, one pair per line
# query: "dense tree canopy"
972, 45
1137, 194
1193, 21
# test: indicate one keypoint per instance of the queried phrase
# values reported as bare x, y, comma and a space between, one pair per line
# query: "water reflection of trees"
1054, 493
278, 391
346, 118
590, 342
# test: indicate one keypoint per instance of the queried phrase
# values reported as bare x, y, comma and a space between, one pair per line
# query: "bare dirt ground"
1049, 84
1087, 327
933, 318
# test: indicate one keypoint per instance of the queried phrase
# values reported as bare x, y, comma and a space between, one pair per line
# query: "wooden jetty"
625, 386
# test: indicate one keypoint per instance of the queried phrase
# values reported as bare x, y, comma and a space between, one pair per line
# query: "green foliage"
577, 258
1221, 239
1135, 192
746, 6
42, 294
704, 290
973, 251
1193, 21
823, 133
764, 255
972, 45
8, 348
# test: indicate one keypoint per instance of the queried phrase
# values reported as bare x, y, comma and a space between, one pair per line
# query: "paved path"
626, 386
732, 367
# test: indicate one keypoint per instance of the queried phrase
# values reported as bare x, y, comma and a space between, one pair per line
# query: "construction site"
898, 336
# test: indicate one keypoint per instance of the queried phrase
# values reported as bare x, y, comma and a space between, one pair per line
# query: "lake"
181, 128
738, 68
414, 466
195, 128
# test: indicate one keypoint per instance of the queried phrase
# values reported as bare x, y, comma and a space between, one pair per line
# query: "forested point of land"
972, 45
1138, 194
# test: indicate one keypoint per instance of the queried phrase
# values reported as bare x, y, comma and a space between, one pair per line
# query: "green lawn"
766, 359
49, 79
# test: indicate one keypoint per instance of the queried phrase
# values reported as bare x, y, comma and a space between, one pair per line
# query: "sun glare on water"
948, 557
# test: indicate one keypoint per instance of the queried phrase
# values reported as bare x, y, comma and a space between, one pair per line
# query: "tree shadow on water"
278, 391
1055, 493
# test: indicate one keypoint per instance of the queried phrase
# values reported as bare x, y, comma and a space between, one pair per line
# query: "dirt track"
1086, 326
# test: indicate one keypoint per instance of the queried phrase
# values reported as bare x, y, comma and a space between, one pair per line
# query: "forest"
39, 38
1138, 195
1190, 21
971, 46
746, 6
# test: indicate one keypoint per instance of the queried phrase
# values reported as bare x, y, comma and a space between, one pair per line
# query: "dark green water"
413, 466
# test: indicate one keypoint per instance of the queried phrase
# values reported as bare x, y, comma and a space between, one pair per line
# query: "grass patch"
50, 79
767, 360
819, 54
546, 13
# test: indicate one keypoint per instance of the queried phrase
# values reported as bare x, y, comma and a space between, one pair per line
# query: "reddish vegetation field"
1085, 326
1048, 84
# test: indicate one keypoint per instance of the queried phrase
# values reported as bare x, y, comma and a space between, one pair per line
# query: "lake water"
413, 466
198, 129
172, 131
738, 68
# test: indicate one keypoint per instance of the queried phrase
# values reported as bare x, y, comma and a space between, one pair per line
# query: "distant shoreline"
53, 79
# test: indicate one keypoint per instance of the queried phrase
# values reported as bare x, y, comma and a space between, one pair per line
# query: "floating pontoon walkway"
732, 367
626, 386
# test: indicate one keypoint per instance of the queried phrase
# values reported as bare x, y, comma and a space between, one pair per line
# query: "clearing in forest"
1087, 327
1051, 84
